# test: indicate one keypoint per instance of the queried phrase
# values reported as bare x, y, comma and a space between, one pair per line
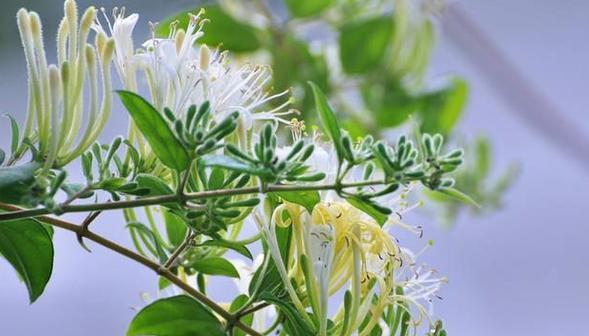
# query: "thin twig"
179, 251
252, 309
85, 225
144, 261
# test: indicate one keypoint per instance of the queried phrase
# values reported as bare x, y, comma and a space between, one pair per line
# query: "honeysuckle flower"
421, 286
56, 91
121, 30
180, 75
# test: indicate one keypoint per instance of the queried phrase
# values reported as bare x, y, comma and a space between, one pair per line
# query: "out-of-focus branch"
525, 99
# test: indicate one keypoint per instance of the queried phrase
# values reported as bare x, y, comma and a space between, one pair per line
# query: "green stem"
156, 200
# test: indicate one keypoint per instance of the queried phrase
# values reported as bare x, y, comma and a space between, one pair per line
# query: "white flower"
121, 31
180, 75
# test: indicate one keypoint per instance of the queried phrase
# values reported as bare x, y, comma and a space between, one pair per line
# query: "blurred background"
522, 270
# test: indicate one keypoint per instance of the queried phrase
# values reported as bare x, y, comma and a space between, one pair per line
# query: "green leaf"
389, 102
483, 155
292, 314
308, 199
215, 266
328, 120
239, 302
2, 156
305, 8
216, 179
27, 246
363, 44
15, 133
459, 196
156, 187
241, 249
156, 131
271, 280
289, 53
150, 238
442, 109
163, 283
175, 316
370, 209
16, 182
222, 29
176, 229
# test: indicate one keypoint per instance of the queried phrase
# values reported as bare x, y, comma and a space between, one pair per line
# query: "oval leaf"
156, 187
442, 109
308, 199
368, 209
156, 131
363, 43
328, 120
175, 316
305, 8
27, 246
16, 182
215, 266
176, 228
239, 248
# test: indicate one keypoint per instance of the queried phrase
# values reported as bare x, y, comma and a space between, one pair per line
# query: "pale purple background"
521, 271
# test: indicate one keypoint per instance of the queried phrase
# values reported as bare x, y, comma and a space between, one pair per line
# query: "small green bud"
307, 153
169, 114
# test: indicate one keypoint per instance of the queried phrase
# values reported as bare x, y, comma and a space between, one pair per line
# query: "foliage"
206, 155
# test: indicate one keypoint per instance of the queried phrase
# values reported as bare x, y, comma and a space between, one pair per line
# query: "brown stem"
161, 271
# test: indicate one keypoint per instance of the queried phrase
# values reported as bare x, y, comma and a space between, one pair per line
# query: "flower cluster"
207, 150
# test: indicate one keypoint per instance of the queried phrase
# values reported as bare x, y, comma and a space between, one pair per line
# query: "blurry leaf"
374, 211
328, 120
2, 156
163, 283
241, 249
294, 317
223, 29
363, 44
308, 199
442, 109
16, 182
176, 229
27, 246
112, 184
304, 8
216, 179
459, 196
73, 189
483, 158
290, 53
151, 238
389, 102
15, 133
156, 131
175, 316
215, 266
